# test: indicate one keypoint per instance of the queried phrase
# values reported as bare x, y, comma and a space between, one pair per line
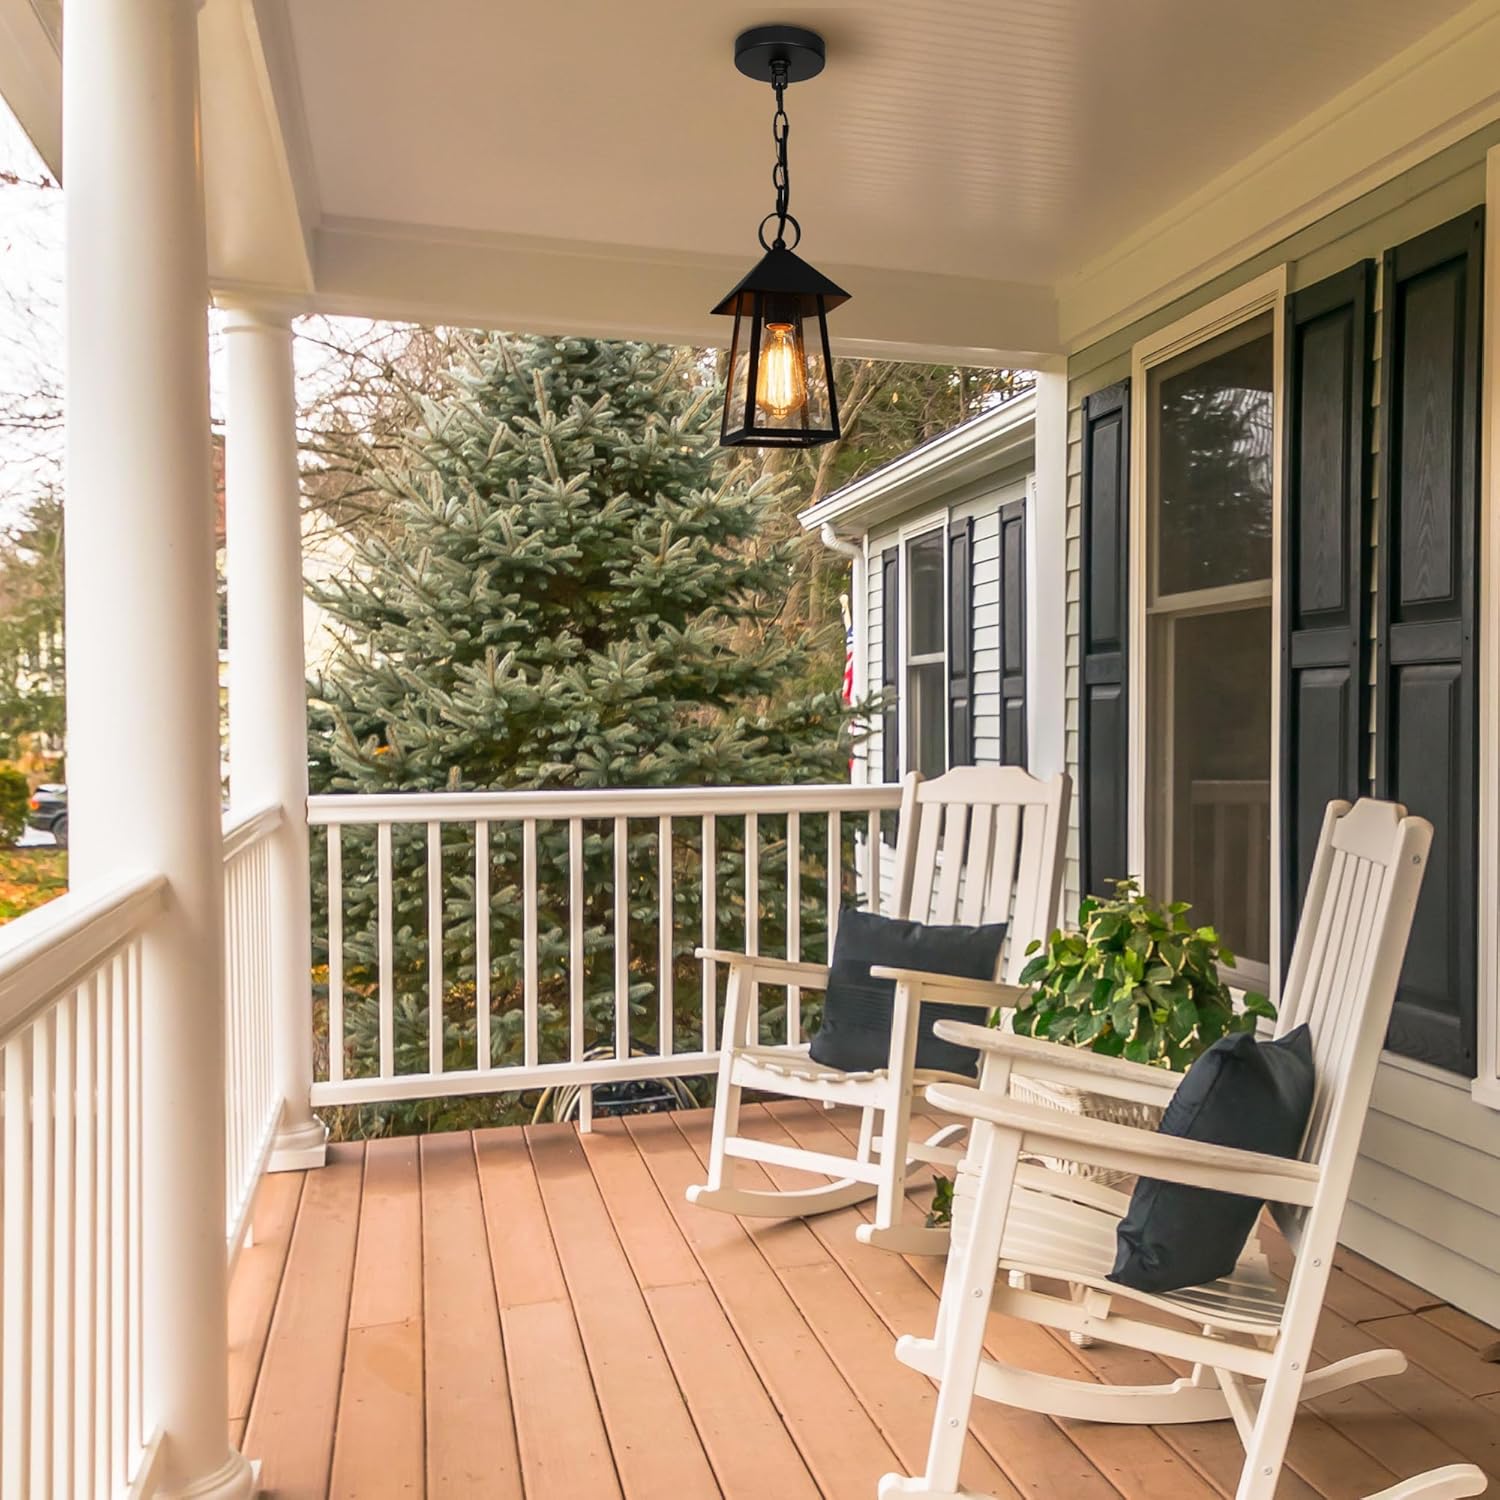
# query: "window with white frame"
926, 655
1209, 654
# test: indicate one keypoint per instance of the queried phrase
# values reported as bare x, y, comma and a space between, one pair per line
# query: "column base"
299, 1148
235, 1479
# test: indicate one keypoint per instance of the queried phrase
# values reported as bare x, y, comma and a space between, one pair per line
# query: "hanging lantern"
779, 391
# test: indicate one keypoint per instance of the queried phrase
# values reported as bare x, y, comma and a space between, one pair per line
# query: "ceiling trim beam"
31, 79
375, 270
260, 195
1427, 97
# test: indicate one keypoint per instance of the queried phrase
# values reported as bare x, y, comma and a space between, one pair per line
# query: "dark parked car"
49, 811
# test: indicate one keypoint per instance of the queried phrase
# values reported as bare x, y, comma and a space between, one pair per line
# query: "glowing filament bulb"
781, 384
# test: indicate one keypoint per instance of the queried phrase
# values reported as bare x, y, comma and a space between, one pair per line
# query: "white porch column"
143, 751
1047, 582
267, 683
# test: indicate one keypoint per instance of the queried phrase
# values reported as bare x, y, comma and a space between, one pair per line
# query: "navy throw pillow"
856, 1031
1240, 1092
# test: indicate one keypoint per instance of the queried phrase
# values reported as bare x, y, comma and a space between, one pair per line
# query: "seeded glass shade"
779, 391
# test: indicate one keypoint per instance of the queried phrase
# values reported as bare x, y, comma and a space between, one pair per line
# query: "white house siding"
981, 501
1426, 1195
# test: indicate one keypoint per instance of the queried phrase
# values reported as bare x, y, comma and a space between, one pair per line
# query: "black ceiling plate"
756, 50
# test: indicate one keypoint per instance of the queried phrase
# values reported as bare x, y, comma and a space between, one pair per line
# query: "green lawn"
30, 878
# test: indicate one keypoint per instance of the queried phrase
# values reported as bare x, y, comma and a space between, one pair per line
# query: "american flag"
848, 651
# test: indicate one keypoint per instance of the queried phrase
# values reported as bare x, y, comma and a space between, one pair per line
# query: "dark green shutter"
1013, 633
1426, 744
961, 643
1325, 567
890, 664
1103, 723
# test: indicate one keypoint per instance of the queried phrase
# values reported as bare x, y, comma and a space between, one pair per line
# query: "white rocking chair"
1249, 1342
976, 845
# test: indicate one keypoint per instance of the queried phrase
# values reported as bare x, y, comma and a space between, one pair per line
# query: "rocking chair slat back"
1345, 966
983, 844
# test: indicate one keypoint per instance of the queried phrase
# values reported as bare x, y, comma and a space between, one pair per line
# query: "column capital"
245, 312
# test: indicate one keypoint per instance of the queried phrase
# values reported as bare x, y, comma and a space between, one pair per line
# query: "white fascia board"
999, 439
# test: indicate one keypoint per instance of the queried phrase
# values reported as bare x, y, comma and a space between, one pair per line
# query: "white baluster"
482, 944
435, 947
529, 937
664, 935
384, 923
708, 886
335, 954
622, 938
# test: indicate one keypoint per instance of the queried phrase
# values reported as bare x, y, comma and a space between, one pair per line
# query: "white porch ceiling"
975, 173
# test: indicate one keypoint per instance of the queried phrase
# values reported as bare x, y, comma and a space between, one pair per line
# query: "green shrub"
15, 802
1136, 980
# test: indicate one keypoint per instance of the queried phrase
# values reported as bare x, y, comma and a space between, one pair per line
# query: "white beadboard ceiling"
990, 178
1009, 138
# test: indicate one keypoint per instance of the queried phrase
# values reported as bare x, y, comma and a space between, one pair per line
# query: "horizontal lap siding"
1426, 1197
986, 606
983, 503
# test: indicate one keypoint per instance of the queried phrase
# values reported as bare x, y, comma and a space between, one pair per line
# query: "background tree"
32, 703
567, 588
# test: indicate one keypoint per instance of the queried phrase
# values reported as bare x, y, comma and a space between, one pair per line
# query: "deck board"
535, 1315
470, 1433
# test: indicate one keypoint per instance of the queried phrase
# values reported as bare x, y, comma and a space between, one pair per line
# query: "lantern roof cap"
785, 273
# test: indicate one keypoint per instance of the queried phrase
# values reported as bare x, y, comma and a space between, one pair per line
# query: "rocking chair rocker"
1250, 1341
976, 845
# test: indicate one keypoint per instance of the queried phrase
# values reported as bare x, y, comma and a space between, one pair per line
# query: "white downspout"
859, 605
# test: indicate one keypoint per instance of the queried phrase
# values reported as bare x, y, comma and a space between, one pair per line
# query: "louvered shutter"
1325, 567
961, 643
1426, 742
1013, 633
1104, 743
890, 664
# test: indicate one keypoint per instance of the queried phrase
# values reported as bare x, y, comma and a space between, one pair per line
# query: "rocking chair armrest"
952, 989
769, 970
1127, 1148
1051, 1062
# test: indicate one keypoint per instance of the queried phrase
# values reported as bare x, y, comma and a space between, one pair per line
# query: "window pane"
926, 595
1211, 413
927, 728
1210, 755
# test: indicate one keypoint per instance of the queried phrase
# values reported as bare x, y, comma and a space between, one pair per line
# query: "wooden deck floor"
538, 1314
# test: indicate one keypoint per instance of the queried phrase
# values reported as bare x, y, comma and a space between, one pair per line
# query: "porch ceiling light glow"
779, 392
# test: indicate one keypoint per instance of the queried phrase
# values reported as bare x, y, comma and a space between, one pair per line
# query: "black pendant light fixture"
779, 392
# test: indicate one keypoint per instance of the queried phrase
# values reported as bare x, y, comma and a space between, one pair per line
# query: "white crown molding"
440, 274
998, 439
1427, 97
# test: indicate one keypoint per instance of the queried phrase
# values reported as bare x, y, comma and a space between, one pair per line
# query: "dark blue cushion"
1252, 1095
856, 1030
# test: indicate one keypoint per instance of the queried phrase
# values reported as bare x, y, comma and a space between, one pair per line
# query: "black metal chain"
781, 177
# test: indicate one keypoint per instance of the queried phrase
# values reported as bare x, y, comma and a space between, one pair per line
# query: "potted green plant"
1136, 980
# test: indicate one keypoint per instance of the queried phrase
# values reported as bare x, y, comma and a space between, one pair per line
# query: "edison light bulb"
781, 384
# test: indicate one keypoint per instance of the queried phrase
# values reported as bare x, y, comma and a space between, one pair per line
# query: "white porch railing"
71, 1417
252, 1104
570, 974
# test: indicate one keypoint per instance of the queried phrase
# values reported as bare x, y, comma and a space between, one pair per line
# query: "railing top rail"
46, 952
242, 829
630, 802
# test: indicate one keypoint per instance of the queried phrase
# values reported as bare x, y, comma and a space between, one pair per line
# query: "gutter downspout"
858, 605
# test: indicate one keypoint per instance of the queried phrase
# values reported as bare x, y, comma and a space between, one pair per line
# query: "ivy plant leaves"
1137, 980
